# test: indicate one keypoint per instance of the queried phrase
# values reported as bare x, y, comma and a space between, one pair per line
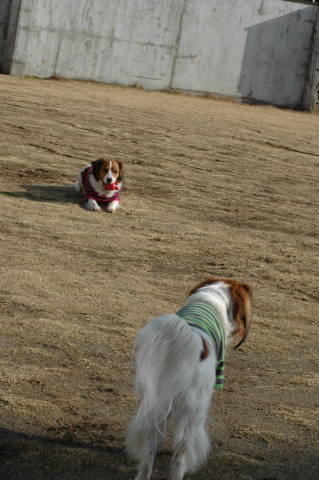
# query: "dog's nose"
109, 180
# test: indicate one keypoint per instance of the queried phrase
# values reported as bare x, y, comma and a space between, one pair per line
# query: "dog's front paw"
92, 205
113, 206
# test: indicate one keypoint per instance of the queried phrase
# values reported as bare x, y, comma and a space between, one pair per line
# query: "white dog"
179, 360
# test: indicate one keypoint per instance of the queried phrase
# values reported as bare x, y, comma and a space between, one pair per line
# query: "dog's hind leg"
151, 443
190, 450
178, 469
191, 442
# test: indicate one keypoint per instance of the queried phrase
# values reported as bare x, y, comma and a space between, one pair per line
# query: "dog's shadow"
36, 457
47, 193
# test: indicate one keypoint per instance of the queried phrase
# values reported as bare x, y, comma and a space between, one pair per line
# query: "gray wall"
255, 49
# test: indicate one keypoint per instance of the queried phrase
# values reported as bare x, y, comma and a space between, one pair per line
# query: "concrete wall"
255, 49
131, 42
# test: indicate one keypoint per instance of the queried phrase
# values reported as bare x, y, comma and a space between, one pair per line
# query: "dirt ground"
212, 187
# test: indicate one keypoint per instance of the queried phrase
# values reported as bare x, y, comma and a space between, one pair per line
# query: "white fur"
172, 382
92, 205
109, 175
112, 206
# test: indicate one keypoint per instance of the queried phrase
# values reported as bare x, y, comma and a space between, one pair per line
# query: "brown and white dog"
100, 182
179, 360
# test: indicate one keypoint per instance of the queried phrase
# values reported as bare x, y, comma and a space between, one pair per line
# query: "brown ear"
121, 175
241, 293
97, 164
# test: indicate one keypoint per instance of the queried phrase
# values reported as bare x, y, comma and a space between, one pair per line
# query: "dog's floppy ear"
241, 293
97, 164
121, 174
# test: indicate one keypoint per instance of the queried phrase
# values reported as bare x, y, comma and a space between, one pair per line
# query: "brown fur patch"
102, 166
205, 352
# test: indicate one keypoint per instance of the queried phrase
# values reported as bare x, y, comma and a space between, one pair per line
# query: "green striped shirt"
204, 316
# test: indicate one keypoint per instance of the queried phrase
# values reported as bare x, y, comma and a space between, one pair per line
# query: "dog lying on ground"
179, 361
100, 182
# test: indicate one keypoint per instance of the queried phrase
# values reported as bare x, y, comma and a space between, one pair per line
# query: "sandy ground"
212, 187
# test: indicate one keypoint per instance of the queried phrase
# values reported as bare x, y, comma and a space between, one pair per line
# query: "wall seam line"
178, 40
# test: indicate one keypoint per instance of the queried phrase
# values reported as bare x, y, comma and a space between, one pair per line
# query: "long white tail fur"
168, 373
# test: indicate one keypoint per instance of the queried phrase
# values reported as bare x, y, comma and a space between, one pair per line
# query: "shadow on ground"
31, 457
35, 457
46, 193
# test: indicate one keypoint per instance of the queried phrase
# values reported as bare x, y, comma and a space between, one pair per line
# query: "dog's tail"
167, 354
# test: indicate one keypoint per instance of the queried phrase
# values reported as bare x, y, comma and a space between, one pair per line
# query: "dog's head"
107, 171
240, 296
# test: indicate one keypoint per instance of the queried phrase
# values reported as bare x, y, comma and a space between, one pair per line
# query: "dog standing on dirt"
179, 361
101, 182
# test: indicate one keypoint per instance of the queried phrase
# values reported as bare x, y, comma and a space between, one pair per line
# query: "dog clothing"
205, 317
